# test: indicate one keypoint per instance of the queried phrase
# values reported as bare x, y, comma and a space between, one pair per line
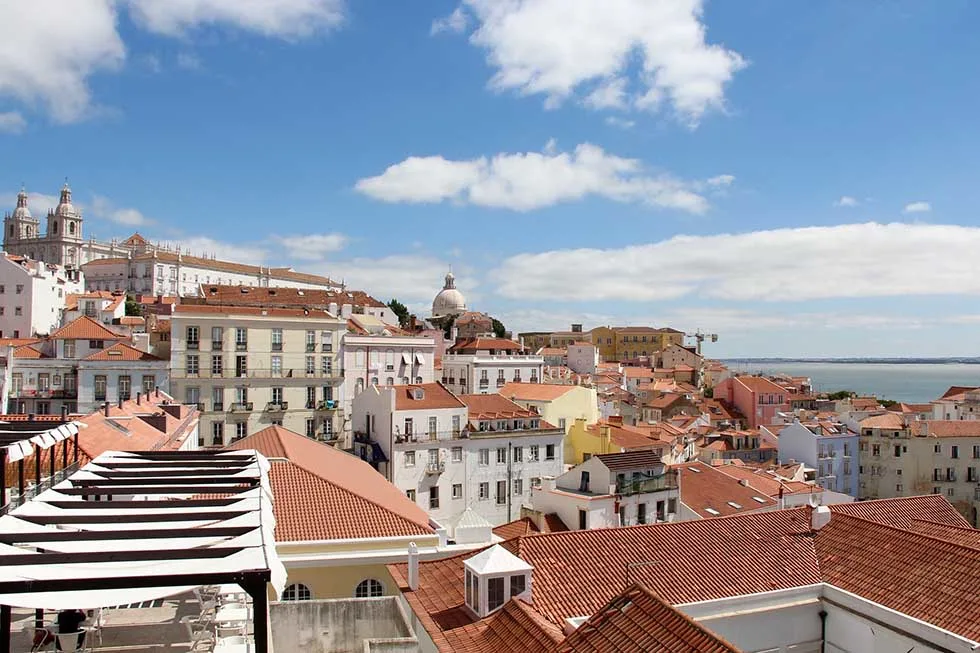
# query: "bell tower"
19, 226
65, 229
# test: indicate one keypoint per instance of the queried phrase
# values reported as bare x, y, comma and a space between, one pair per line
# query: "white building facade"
450, 457
484, 365
248, 368
583, 357
33, 296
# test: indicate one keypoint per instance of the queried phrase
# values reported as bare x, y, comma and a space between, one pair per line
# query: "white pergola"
137, 526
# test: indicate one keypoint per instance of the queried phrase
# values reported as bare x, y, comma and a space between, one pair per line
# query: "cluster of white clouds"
525, 181
615, 54
779, 265
50, 48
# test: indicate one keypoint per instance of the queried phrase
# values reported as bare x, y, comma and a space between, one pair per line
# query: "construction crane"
700, 337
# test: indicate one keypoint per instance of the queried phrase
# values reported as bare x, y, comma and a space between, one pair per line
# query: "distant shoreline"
861, 361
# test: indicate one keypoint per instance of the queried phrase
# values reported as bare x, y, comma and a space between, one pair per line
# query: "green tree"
133, 307
401, 311
447, 326
840, 395
498, 328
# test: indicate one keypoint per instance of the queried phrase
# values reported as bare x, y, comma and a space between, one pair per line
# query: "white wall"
797, 442
583, 359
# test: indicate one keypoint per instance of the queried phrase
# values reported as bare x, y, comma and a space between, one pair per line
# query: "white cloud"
609, 95
560, 48
854, 260
454, 22
223, 251
38, 203
622, 123
311, 247
152, 63
532, 180
188, 61
409, 277
282, 18
49, 48
12, 122
721, 181
918, 207
104, 209
846, 201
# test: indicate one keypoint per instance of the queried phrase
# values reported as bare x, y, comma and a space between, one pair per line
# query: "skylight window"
759, 499
734, 505
712, 511
695, 470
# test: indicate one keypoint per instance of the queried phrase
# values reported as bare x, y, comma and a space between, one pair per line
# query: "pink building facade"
757, 398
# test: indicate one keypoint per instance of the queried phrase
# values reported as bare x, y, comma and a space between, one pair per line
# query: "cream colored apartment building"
248, 368
901, 457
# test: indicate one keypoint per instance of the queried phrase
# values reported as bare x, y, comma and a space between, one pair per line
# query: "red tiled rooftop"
85, 328
704, 488
434, 395
121, 352
535, 391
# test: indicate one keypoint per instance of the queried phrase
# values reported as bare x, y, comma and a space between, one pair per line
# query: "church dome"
22, 212
449, 301
65, 207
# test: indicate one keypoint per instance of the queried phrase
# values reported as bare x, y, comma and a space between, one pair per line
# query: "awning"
406, 358
419, 359
132, 527
19, 438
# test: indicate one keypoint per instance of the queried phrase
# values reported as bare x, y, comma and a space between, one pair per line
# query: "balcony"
218, 407
277, 346
661, 483
501, 383
329, 404
435, 468
199, 405
484, 383
241, 346
217, 345
272, 407
326, 347
193, 344
310, 347
389, 368
241, 407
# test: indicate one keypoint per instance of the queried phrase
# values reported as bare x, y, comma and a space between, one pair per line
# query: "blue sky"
798, 177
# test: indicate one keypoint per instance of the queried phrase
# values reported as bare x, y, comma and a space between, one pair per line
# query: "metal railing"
666, 481
298, 373
239, 407
31, 490
435, 468
274, 407
429, 436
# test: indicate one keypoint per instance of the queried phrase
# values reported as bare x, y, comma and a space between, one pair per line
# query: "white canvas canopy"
132, 527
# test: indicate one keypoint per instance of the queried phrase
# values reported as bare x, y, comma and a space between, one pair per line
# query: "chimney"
616, 419
64, 412
105, 408
548, 483
157, 391
120, 401
413, 566
139, 396
744, 482
819, 517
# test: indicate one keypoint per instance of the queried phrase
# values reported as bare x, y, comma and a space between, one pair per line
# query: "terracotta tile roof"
704, 489
18, 342
132, 320
765, 481
284, 297
527, 526
902, 511
481, 344
957, 391
29, 352
637, 373
630, 460
637, 621
947, 428
962, 535
320, 492
135, 239
864, 403
121, 352
496, 406
914, 408
759, 384
286, 274
921, 576
535, 391
626, 437
434, 395
751, 553
85, 328
885, 421
203, 309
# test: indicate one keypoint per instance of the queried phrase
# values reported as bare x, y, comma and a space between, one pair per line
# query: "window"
409, 459
311, 365
976, 451
70, 350
149, 383
368, 589
408, 426
125, 386
276, 340
518, 486
484, 456
433, 423
18, 310
518, 584
297, 592
96, 344
561, 423
641, 513
326, 366
433, 497
241, 338
971, 474
501, 492
495, 593
583, 520
100, 383
277, 395
938, 448
20, 288
217, 337
217, 434
457, 490
876, 450
276, 364
217, 364
218, 399
549, 452
898, 487
518, 454
533, 453
191, 366
193, 337
241, 366
501, 456
471, 591
484, 491
898, 451
954, 451
457, 454
949, 492
311, 341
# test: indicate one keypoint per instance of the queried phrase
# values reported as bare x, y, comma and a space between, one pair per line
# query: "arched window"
71, 228
54, 227
369, 588
297, 592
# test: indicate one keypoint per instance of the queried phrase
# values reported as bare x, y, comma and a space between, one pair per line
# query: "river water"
908, 382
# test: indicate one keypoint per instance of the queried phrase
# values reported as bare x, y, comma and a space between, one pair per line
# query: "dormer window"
418, 394
494, 576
